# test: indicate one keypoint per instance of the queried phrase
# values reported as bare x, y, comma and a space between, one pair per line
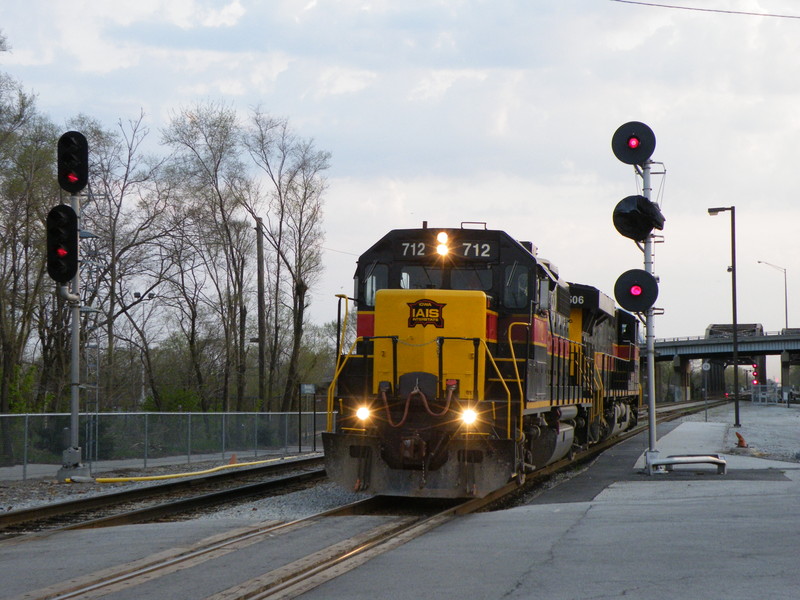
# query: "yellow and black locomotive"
474, 364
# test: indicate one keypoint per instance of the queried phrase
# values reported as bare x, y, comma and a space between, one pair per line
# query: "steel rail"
103, 501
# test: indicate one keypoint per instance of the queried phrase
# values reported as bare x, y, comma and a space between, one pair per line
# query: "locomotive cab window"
471, 278
376, 278
515, 292
417, 277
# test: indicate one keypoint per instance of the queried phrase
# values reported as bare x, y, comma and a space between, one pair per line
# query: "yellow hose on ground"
190, 474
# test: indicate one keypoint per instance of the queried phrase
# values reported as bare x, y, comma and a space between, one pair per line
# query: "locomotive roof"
592, 299
511, 248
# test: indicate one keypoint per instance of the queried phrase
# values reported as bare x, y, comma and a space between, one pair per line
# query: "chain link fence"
32, 443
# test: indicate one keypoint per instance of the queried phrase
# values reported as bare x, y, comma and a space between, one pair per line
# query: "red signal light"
636, 290
633, 143
73, 162
62, 243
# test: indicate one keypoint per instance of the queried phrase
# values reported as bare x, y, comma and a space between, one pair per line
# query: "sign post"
306, 389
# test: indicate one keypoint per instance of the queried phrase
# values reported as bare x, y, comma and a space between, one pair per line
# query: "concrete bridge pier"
683, 368
785, 364
714, 377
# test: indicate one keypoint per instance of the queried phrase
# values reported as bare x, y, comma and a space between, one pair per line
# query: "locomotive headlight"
362, 413
443, 249
469, 416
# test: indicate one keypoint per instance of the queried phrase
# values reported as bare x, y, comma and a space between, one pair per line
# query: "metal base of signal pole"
71, 467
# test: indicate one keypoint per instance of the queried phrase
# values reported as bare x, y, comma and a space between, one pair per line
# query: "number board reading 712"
470, 249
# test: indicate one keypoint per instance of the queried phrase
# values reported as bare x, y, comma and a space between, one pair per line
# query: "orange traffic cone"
741, 443
233, 460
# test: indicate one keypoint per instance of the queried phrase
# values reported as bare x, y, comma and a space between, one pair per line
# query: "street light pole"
785, 291
138, 296
713, 212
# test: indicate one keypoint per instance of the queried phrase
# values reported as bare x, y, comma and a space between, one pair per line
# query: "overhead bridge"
716, 348
722, 347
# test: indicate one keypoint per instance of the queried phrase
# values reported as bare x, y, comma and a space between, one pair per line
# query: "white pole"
650, 336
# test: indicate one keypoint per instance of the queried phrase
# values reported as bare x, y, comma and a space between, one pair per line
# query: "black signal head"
636, 290
633, 143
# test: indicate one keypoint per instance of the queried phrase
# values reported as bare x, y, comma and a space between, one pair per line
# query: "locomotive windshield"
510, 284
467, 277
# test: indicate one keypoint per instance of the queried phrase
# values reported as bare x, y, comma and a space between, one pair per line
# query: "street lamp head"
769, 264
719, 209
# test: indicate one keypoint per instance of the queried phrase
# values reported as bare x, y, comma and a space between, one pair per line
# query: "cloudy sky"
486, 110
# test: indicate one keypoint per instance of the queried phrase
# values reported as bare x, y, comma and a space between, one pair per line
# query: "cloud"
337, 80
435, 84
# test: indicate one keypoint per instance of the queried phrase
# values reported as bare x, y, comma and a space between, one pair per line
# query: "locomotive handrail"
440, 343
332, 386
340, 334
516, 372
476, 341
500, 376
599, 393
395, 339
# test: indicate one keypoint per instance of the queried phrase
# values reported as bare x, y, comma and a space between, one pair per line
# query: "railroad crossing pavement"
609, 532
614, 532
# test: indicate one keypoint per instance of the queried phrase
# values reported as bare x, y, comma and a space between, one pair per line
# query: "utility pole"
262, 318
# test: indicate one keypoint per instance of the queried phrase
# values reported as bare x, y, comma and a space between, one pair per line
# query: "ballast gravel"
19, 495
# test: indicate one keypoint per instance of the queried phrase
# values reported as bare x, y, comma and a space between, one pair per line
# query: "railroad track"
379, 530
328, 548
154, 502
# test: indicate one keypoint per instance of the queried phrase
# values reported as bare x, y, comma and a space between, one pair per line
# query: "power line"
339, 251
710, 10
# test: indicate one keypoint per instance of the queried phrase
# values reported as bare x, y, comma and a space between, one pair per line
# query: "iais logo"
426, 312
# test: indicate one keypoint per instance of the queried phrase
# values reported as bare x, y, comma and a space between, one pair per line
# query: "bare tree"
206, 143
295, 169
26, 189
124, 211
